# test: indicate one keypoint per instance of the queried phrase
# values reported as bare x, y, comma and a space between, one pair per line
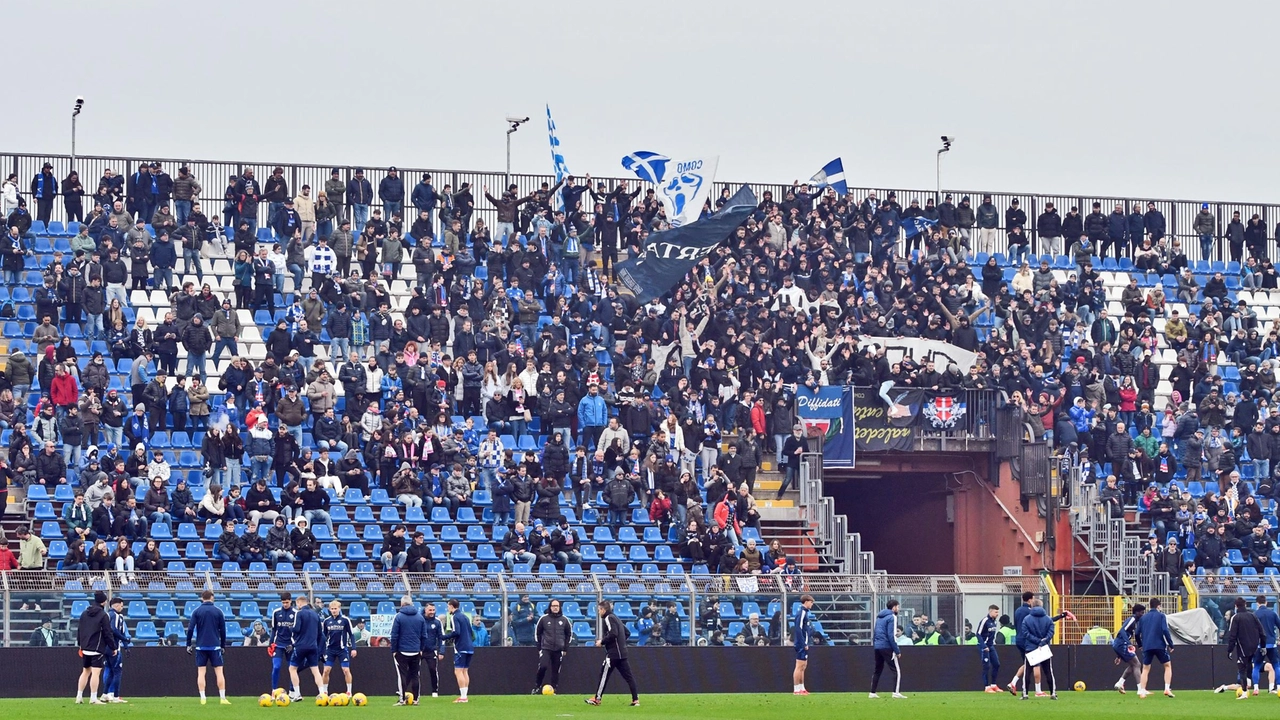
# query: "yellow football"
359, 700
1079, 686
408, 698
548, 690
343, 700
265, 700
322, 700
282, 701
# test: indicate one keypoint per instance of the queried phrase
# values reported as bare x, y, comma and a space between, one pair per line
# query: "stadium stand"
410, 373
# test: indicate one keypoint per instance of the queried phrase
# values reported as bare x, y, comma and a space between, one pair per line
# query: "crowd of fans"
519, 332
511, 374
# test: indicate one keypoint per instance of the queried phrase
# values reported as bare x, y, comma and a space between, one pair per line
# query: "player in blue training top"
1123, 645
463, 649
339, 646
208, 630
281, 646
885, 643
987, 632
1268, 657
111, 674
801, 631
1157, 643
308, 643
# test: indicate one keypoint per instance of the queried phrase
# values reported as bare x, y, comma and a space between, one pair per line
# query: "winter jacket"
1036, 630
884, 636
409, 631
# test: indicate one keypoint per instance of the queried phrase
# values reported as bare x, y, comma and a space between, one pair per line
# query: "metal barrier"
706, 609
212, 176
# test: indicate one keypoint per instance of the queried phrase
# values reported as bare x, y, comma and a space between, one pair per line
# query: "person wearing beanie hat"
1205, 225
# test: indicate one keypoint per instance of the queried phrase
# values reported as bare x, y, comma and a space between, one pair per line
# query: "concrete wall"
40, 672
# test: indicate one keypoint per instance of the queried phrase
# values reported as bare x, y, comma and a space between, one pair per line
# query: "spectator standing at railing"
1205, 224
1049, 228
987, 218
44, 188
1117, 232
391, 192
359, 194
1234, 235
185, 191
274, 192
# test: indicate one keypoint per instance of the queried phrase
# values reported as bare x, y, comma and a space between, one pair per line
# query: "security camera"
946, 139
516, 120
79, 99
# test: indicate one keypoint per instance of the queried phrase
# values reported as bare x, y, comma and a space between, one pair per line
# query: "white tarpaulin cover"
1193, 627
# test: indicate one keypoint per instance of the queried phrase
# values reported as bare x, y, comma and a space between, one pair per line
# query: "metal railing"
705, 609
212, 176
831, 530
1114, 548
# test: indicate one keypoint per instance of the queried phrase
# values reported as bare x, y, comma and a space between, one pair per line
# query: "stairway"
1113, 545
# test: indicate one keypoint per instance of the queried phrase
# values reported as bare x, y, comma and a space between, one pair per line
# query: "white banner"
685, 189
380, 625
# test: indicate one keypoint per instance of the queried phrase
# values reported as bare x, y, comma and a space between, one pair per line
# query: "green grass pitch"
918, 706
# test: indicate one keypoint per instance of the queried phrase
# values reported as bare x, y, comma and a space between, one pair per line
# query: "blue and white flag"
648, 166
831, 175
557, 158
919, 224
683, 187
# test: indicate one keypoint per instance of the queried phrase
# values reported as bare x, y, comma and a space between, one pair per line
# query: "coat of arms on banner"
944, 411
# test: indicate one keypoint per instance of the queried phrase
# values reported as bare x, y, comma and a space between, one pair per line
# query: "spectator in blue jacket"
592, 416
391, 192
164, 257
424, 199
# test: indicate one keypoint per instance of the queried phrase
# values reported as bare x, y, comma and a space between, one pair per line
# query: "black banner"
877, 427
669, 255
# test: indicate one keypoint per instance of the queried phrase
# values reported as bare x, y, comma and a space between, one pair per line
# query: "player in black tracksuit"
1244, 637
431, 653
614, 640
553, 633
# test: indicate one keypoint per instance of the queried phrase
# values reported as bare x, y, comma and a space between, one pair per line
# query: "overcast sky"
1139, 99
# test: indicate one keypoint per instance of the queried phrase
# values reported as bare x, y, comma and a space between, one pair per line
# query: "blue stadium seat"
145, 631
364, 514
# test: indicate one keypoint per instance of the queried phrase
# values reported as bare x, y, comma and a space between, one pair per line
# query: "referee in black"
553, 633
614, 640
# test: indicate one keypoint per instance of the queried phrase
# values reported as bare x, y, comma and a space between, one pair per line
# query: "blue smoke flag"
831, 175
919, 224
668, 256
648, 166
557, 158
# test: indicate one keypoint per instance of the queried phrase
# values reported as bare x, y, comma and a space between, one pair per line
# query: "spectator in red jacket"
63, 390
